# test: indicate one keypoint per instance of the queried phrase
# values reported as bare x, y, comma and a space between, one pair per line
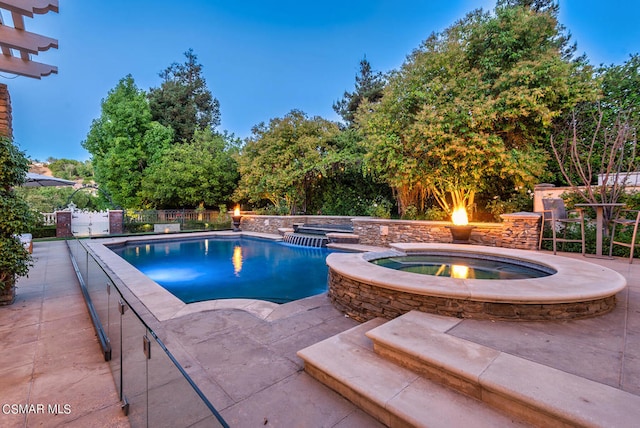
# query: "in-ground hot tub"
571, 289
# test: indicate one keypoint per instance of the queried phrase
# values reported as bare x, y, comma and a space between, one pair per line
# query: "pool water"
455, 266
195, 270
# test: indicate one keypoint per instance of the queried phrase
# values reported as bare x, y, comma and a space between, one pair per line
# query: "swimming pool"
196, 270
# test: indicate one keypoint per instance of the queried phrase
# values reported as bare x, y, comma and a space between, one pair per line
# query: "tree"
71, 169
202, 172
472, 104
183, 102
284, 161
16, 219
599, 139
50, 199
122, 142
369, 86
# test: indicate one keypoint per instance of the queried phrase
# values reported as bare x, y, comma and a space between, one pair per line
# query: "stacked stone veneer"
271, 223
364, 302
384, 232
518, 230
6, 125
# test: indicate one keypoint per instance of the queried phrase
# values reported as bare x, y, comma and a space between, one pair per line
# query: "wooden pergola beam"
30, 7
25, 41
21, 67
16, 40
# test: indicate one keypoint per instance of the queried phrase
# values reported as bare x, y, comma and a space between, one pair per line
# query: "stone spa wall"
518, 230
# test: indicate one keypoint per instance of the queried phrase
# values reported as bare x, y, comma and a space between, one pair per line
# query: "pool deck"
245, 362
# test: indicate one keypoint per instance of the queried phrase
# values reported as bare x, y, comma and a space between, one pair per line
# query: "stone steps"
396, 396
401, 371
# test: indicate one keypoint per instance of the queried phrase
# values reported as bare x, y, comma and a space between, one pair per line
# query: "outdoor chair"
625, 220
559, 220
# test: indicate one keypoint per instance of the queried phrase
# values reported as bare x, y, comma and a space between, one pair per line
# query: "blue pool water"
228, 268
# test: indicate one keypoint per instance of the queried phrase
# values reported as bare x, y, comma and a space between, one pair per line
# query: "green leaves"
196, 173
283, 161
472, 103
183, 102
16, 218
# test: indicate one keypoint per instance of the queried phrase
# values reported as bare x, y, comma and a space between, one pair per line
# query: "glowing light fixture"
237, 218
459, 217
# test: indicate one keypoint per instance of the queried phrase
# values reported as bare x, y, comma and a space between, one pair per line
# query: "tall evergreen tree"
183, 101
369, 86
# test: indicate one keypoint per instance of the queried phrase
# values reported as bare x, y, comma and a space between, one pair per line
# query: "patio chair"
625, 220
559, 220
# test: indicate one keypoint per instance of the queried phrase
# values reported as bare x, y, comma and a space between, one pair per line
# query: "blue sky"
261, 58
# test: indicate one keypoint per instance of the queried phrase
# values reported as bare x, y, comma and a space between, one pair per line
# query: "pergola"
18, 45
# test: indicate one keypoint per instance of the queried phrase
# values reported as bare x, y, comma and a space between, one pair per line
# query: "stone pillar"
521, 230
6, 122
63, 224
116, 222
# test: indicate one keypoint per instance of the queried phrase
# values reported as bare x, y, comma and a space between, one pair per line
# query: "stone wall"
380, 232
518, 230
364, 302
271, 223
521, 230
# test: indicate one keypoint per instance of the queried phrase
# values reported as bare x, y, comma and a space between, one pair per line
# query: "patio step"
396, 396
399, 371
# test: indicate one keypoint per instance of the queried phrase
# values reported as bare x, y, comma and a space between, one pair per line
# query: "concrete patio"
247, 365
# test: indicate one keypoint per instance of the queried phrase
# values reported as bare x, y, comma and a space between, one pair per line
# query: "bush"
380, 208
431, 214
44, 232
518, 202
16, 217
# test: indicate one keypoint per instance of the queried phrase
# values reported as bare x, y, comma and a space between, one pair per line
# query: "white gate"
89, 223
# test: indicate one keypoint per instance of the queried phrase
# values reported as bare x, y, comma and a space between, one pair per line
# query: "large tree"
183, 102
202, 172
283, 161
474, 104
596, 142
123, 140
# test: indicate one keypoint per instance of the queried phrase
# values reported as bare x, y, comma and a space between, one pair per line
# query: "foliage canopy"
473, 104
183, 102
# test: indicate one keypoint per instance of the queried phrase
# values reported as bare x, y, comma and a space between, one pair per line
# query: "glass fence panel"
97, 283
134, 368
154, 388
82, 258
173, 401
114, 332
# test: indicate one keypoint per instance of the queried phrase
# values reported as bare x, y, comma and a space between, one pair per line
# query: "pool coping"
594, 281
161, 303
